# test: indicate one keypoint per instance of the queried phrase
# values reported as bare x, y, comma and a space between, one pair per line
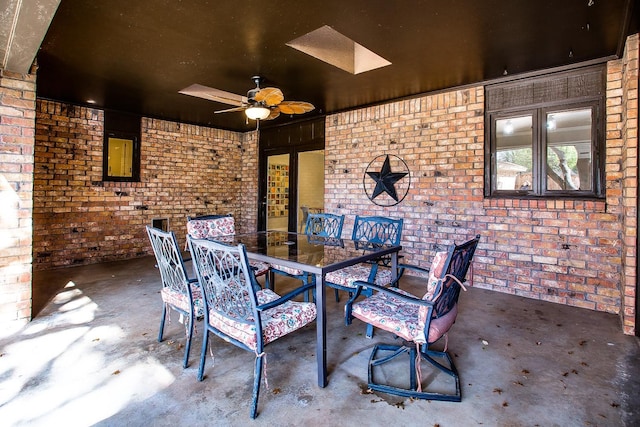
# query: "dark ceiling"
135, 55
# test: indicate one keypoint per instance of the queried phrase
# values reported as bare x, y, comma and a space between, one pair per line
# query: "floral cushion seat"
206, 228
264, 296
407, 320
221, 229
276, 322
346, 276
181, 300
259, 268
401, 318
289, 270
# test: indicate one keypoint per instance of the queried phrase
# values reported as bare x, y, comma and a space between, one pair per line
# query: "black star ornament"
385, 180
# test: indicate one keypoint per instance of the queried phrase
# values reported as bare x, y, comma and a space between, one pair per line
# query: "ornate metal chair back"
169, 259
228, 287
324, 225
455, 275
377, 230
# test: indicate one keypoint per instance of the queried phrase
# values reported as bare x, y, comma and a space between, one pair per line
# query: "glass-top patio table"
318, 256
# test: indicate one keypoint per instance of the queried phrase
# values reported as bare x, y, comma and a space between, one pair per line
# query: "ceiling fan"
259, 104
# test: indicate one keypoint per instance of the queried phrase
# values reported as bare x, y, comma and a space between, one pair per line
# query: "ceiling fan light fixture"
257, 112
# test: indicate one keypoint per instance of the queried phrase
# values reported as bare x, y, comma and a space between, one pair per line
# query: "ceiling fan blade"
231, 110
270, 96
295, 107
215, 95
275, 112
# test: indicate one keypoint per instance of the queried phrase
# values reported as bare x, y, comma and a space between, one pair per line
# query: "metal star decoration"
385, 180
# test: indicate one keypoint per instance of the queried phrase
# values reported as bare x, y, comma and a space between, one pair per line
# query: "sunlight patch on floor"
79, 374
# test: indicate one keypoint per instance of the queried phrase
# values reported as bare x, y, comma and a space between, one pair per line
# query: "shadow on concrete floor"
42, 292
91, 357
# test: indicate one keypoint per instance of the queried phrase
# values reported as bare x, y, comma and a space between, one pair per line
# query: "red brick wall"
441, 140
186, 170
567, 252
248, 220
17, 113
580, 253
626, 108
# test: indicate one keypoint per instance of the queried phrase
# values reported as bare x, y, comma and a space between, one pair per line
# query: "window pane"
569, 150
514, 150
120, 161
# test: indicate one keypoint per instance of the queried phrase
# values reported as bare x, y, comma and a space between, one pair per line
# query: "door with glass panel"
278, 192
310, 186
294, 188
290, 174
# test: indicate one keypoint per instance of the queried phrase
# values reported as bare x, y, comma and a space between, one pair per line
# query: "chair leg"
452, 371
413, 378
256, 386
203, 354
309, 279
270, 280
187, 350
368, 293
369, 331
162, 319
412, 390
428, 356
337, 295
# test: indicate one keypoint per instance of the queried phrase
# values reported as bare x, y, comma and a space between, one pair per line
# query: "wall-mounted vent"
161, 223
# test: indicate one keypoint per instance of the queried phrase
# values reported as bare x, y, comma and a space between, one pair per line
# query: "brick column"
629, 136
17, 129
249, 195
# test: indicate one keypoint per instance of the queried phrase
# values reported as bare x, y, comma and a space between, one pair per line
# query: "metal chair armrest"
286, 297
402, 267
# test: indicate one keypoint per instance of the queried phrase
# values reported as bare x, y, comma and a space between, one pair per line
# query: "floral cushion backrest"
436, 273
208, 228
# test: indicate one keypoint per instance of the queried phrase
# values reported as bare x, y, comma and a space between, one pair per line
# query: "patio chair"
222, 228
320, 225
238, 310
420, 322
368, 231
178, 292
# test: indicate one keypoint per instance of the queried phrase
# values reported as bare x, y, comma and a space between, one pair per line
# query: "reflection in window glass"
569, 150
120, 162
514, 153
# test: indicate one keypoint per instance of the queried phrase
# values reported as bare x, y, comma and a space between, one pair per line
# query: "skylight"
328, 45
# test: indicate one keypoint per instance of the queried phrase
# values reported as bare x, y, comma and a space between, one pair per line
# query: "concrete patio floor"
91, 357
